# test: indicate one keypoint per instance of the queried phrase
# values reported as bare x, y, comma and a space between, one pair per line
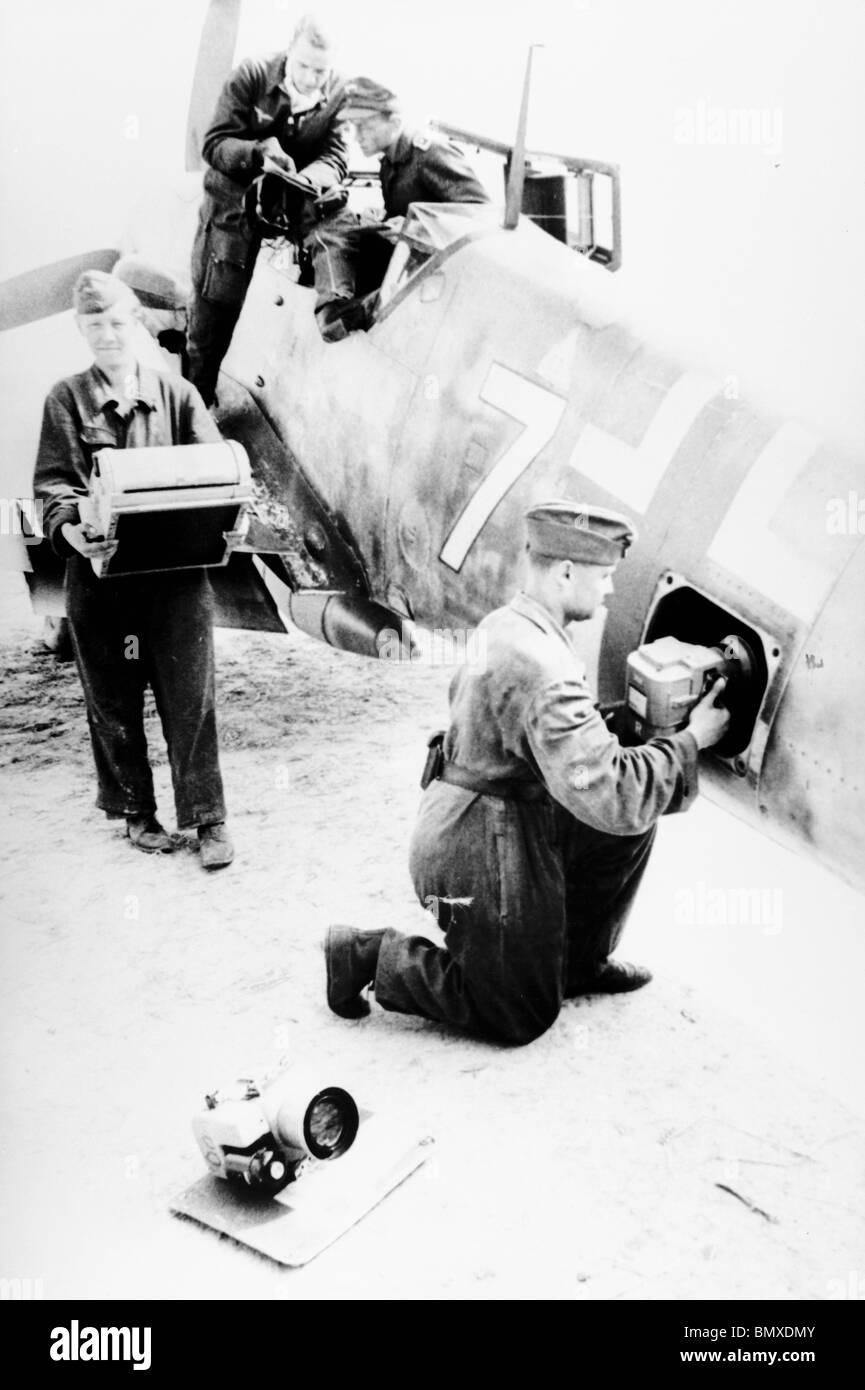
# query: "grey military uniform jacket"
80, 417
523, 710
425, 168
252, 107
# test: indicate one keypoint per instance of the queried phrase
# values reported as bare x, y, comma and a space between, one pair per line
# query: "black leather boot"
351, 957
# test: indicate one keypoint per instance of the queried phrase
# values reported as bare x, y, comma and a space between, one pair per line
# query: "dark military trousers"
223, 259
349, 262
208, 338
129, 632
529, 899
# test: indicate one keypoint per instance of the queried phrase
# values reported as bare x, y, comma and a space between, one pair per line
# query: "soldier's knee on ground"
517, 1025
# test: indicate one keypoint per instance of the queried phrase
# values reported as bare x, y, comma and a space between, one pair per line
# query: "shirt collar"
299, 102
399, 151
102, 393
540, 616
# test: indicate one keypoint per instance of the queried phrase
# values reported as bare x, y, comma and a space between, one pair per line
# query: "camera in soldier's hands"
672, 685
273, 157
710, 719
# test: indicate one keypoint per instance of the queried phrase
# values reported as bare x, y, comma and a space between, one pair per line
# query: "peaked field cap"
363, 97
579, 531
94, 292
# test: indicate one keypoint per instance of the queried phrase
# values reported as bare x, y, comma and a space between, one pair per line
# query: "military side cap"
94, 292
363, 97
579, 531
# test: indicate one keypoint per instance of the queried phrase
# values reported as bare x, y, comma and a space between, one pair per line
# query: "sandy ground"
683, 1142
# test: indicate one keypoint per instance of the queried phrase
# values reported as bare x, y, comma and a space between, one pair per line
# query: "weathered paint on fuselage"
495, 382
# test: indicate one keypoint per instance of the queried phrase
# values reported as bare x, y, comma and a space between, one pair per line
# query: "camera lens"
331, 1123
325, 1124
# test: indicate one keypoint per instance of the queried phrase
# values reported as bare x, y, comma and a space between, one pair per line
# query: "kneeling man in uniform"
532, 840
131, 630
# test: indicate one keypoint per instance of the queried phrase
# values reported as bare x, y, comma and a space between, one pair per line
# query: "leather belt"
509, 788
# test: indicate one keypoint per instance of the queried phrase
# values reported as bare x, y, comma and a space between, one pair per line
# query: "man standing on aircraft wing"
417, 166
273, 114
535, 830
131, 630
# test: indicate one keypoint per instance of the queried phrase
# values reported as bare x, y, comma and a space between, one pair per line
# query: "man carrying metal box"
134, 629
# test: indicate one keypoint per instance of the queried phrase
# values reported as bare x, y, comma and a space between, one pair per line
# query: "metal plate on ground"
325, 1201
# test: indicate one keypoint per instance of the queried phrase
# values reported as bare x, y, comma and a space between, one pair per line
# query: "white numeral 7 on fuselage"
540, 411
